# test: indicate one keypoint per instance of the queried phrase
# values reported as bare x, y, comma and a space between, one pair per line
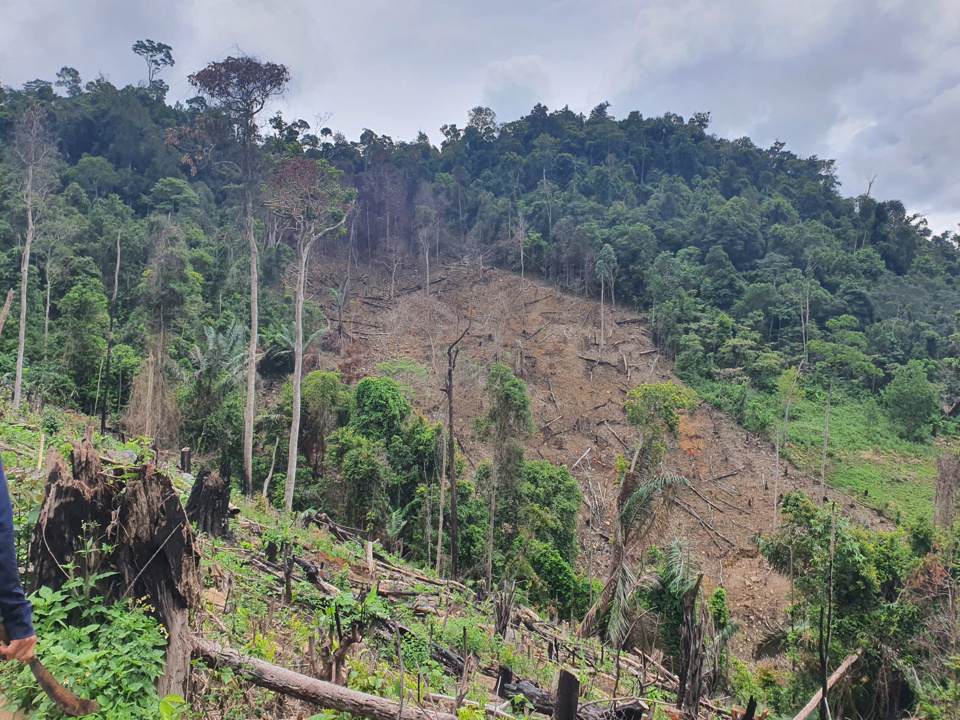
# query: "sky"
874, 84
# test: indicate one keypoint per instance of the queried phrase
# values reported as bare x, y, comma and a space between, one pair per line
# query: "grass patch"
865, 456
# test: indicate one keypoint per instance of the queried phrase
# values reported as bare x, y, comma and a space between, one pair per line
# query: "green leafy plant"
112, 653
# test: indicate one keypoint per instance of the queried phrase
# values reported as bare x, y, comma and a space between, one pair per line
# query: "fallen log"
831, 681
308, 689
448, 659
542, 701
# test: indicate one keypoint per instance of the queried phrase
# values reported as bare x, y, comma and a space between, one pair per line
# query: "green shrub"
112, 653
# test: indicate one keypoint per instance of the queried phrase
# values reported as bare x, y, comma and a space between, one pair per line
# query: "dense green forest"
129, 226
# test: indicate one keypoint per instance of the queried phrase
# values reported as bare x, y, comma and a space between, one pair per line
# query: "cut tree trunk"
690, 681
147, 540
209, 504
837, 674
568, 697
157, 558
308, 689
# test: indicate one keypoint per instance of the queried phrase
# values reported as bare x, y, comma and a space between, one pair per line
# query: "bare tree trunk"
452, 354
273, 462
602, 325
824, 642
782, 438
826, 438
297, 375
24, 271
96, 402
113, 314
150, 424
443, 487
425, 242
6, 309
493, 513
250, 406
428, 525
46, 311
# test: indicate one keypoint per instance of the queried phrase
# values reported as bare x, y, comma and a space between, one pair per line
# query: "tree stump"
134, 526
75, 508
157, 557
209, 504
568, 697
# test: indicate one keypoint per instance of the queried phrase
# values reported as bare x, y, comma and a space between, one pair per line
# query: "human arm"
15, 609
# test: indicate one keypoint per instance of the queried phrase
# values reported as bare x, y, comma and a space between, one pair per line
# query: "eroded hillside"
552, 340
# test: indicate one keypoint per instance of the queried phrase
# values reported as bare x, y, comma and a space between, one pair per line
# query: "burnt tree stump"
209, 504
568, 697
133, 523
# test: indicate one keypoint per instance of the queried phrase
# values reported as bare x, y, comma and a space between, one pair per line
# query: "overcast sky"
874, 84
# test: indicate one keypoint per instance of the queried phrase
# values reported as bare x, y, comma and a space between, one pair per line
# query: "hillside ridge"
551, 339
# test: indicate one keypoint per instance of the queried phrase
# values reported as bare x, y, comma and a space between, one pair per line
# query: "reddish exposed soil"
551, 339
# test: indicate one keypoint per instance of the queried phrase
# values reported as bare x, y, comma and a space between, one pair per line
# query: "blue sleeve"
15, 609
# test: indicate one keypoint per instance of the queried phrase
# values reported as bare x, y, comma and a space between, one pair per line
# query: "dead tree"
452, 353
33, 146
6, 309
113, 314
137, 527
944, 498
209, 504
692, 652
503, 608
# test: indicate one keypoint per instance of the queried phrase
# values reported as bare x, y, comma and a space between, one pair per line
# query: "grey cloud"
513, 87
864, 82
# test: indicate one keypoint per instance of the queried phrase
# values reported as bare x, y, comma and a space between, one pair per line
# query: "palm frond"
640, 514
679, 571
395, 524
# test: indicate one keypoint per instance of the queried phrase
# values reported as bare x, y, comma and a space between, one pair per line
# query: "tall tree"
242, 86
157, 55
113, 314
452, 353
34, 148
606, 268
507, 420
307, 195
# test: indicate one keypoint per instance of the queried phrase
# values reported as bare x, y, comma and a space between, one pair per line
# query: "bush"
911, 399
110, 653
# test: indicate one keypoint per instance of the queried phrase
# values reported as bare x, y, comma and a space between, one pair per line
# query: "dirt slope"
551, 340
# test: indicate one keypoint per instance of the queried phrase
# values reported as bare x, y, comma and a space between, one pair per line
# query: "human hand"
22, 650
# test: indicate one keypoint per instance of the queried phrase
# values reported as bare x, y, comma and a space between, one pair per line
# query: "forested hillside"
162, 267
749, 259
